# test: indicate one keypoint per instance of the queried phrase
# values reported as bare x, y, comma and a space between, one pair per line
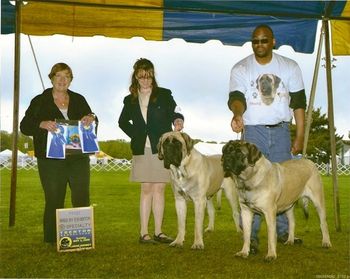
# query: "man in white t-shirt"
266, 91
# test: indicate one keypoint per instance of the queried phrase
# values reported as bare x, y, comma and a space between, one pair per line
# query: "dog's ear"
257, 82
277, 81
228, 146
160, 148
254, 154
224, 148
188, 141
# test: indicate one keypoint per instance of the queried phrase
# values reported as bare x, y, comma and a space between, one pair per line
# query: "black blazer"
160, 115
43, 108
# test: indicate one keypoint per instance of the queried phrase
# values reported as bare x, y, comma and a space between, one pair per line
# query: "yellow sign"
75, 229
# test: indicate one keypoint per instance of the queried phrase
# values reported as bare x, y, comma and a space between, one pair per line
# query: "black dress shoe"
146, 239
163, 238
283, 238
254, 246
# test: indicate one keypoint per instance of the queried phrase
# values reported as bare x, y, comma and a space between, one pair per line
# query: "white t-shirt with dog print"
266, 88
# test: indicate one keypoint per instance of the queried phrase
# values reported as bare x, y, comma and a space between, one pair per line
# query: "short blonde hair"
60, 67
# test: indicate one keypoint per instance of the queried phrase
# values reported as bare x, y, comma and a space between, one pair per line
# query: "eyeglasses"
262, 41
144, 77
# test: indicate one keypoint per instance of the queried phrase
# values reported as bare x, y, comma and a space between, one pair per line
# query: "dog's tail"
305, 205
218, 199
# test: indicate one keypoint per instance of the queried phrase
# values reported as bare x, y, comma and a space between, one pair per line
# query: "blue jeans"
275, 144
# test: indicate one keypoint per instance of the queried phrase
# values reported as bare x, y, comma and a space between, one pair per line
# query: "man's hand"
297, 146
237, 123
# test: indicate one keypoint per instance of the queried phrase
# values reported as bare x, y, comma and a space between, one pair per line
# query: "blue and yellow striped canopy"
294, 22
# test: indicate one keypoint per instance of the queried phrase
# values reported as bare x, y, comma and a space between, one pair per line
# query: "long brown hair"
146, 65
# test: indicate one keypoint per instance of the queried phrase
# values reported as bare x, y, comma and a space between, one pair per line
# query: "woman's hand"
88, 119
48, 125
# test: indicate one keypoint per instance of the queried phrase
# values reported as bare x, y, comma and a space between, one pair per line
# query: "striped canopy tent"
294, 24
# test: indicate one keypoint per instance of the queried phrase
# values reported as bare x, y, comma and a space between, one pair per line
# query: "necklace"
61, 102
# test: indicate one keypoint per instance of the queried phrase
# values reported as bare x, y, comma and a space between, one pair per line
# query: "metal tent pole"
313, 93
331, 127
15, 114
36, 62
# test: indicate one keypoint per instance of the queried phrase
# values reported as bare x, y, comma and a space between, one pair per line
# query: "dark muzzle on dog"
172, 152
235, 157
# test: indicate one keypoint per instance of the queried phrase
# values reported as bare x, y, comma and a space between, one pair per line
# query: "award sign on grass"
71, 137
75, 229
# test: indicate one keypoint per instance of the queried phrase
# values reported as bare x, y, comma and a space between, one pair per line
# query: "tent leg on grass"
15, 115
331, 128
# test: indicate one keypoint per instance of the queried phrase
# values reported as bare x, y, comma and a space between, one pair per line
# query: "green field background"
118, 254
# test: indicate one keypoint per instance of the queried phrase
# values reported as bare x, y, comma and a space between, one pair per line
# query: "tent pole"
36, 62
313, 93
331, 126
15, 115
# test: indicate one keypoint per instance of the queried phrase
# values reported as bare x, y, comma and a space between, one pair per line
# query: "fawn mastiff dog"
271, 188
195, 177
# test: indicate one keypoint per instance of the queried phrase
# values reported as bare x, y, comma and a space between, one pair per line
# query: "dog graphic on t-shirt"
267, 85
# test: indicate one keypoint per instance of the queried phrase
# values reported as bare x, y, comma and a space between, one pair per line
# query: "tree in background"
116, 148
319, 143
25, 143
318, 148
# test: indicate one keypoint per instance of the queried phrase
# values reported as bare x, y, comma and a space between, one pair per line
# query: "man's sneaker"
283, 238
254, 244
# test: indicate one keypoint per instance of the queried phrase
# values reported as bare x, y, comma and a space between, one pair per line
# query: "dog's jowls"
271, 188
194, 177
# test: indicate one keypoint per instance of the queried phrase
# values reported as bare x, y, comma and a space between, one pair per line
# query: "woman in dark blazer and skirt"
148, 112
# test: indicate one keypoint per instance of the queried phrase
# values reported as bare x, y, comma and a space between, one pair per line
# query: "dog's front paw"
270, 257
197, 246
209, 229
289, 242
326, 244
177, 244
242, 254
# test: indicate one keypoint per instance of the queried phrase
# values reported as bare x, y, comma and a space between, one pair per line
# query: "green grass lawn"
119, 255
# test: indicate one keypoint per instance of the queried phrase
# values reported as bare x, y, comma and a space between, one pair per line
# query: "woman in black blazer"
54, 103
148, 112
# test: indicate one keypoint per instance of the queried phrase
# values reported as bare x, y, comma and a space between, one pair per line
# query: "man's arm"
298, 104
237, 105
298, 143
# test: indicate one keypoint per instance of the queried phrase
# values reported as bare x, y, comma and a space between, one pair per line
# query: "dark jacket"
43, 108
160, 115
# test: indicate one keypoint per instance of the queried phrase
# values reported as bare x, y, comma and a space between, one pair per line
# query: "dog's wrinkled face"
173, 147
237, 156
172, 151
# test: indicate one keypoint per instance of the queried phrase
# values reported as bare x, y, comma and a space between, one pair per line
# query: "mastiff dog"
194, 177
272, 188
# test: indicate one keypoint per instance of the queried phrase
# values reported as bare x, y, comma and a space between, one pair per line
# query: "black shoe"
254, 244
143, 239
50, 244
298, 240
163, 238
283, 238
